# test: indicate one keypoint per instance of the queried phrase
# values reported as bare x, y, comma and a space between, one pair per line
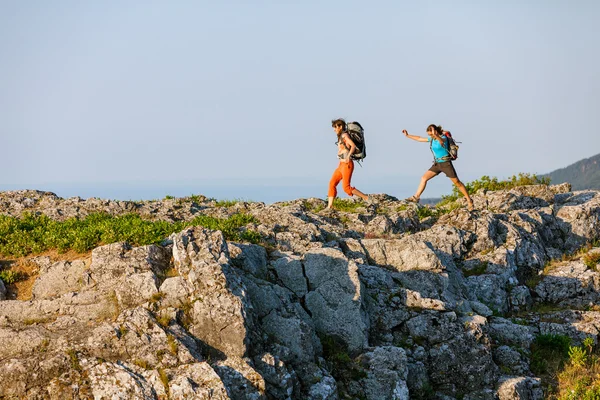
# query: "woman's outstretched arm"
414, 137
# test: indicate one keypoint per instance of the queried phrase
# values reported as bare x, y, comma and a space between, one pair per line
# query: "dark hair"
436, 128
339, 121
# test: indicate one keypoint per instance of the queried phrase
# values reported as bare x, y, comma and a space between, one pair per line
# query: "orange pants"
342, 173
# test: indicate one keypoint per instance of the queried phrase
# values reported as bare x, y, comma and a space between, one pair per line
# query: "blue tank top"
439, 151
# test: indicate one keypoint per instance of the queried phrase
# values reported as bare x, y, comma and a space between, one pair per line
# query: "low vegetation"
343, 368
74, 358
568, 372
19, 276
9, 277
226, 203
591, 260
34, 234
313, 206
164, 378
426, 212
548, 354
479, 269
347, 205
492, 183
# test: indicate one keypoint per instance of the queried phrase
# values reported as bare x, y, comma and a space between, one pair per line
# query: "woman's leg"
360, 194
333, 182
347, 171
463, 190
426, 176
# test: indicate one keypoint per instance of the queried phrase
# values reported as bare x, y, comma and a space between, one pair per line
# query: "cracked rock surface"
370, 304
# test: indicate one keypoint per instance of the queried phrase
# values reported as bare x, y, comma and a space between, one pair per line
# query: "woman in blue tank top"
441, 162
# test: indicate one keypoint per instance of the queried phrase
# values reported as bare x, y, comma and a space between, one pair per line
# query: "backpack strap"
431, 148
447, 141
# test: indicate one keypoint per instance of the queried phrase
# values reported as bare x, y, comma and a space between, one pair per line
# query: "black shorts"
445, 167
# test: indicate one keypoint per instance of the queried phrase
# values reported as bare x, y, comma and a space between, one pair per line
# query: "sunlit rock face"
369, 301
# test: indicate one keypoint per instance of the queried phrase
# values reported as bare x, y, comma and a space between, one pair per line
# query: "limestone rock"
335, 297
520, 388
60, 278
416, 305
219, 306
386, 373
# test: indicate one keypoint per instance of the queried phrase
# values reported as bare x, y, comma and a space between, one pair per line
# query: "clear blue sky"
233, 99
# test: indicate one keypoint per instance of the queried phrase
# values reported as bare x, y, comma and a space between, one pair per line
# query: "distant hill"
432, 201
584, 174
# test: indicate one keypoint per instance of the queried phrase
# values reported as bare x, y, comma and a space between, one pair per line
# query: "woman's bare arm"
350, 145
415, 137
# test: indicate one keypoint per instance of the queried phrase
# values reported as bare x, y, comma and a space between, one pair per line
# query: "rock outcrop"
370, 304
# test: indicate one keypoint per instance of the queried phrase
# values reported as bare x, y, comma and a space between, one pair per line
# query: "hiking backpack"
452, 147
357, 134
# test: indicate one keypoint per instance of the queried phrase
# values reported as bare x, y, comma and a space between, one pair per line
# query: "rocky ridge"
372, 304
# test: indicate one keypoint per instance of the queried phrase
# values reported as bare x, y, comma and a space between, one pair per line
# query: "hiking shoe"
413, 199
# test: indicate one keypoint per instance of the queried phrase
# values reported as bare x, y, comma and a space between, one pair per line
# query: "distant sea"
263, 190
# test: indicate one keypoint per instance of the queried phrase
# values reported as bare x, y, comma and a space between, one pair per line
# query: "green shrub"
9, 277
426, 212
196, 198
33, 234
577, 356
250, 236
549, 352
580, 379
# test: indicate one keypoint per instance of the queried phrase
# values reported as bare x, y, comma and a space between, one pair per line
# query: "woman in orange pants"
344, 170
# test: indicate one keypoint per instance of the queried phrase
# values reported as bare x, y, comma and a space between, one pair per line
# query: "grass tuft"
226, 203
591, 260
164, 378
163, 320
173, 345
73, 357
156, 297
141, 363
